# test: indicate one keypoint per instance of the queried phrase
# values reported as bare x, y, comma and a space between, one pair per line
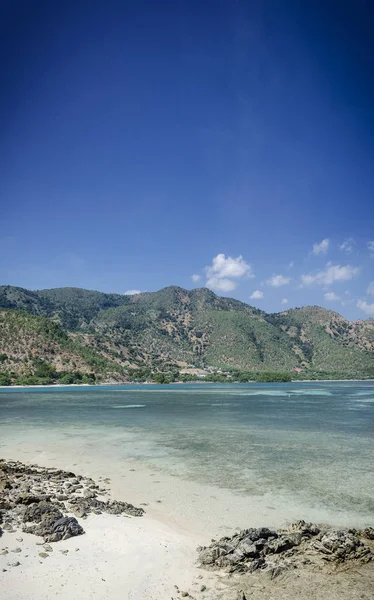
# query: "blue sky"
146, 143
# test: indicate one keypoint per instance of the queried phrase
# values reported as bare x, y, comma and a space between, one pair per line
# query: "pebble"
203, 588
16, 550
43, 555
48, 548
3, 552
19, 539
64, 551
14, 564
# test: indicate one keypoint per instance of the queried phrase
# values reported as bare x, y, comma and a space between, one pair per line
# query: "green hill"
28, 343
174, 328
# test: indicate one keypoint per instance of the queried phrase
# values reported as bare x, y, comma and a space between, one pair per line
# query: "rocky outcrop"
275, 551
37, 499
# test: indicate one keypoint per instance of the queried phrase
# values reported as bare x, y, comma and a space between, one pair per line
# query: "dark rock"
368, 533
63, 529
275, 551
280, 544
43, 511
27, 499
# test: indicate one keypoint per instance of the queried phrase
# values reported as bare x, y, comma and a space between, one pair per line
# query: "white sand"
131, 558
118, 558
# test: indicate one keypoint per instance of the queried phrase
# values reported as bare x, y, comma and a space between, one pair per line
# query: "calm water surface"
307, 442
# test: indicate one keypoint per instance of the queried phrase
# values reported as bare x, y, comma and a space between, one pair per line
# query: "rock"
3, 552
43, 554
16, 550
48, 548
202, 588
368, 533
27, 499
89, 494
247, 549
64, 551
64, 528
275, 551
241, 596
7, 527
14, 564
19, 539
280, 544
43, 511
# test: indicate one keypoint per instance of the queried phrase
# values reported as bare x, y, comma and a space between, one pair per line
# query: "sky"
227, 144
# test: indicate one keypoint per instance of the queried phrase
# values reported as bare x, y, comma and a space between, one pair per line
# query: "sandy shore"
121, 557
116, 558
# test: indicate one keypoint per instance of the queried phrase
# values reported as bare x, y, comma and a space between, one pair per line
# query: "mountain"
26, 339
174, 328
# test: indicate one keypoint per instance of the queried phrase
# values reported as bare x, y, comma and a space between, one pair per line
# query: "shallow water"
309, 445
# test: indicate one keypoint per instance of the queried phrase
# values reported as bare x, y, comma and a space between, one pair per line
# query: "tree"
160, 378
5, 379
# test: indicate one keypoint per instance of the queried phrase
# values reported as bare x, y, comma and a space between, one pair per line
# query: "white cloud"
284, 301
196, 277
278, 280
330, 275
370, 289
322, 247
366, 307
224, 269
132, 292
221, 285
371, 248
257, 295
331, 296
347, 245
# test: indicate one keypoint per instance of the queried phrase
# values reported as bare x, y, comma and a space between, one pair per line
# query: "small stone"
16, 550
184, 594
64, 551
14, 564
43, 554
203, 588
77, 549
19, 539
3, 552
48, 548
7, 527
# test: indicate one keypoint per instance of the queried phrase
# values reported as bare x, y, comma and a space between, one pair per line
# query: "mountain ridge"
176, 328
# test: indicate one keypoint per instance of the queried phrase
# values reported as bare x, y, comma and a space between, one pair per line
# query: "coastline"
126, 557
153, 558
150, 383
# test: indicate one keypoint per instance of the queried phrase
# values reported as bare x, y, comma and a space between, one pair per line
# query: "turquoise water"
309, 442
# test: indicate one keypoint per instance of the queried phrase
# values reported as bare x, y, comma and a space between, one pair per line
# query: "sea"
308, 446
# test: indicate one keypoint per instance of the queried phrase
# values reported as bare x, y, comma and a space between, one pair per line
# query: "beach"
131, 557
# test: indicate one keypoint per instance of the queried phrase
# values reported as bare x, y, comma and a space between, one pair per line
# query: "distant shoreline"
130, 383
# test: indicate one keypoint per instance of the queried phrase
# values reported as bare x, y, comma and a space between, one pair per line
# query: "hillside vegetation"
117, 336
